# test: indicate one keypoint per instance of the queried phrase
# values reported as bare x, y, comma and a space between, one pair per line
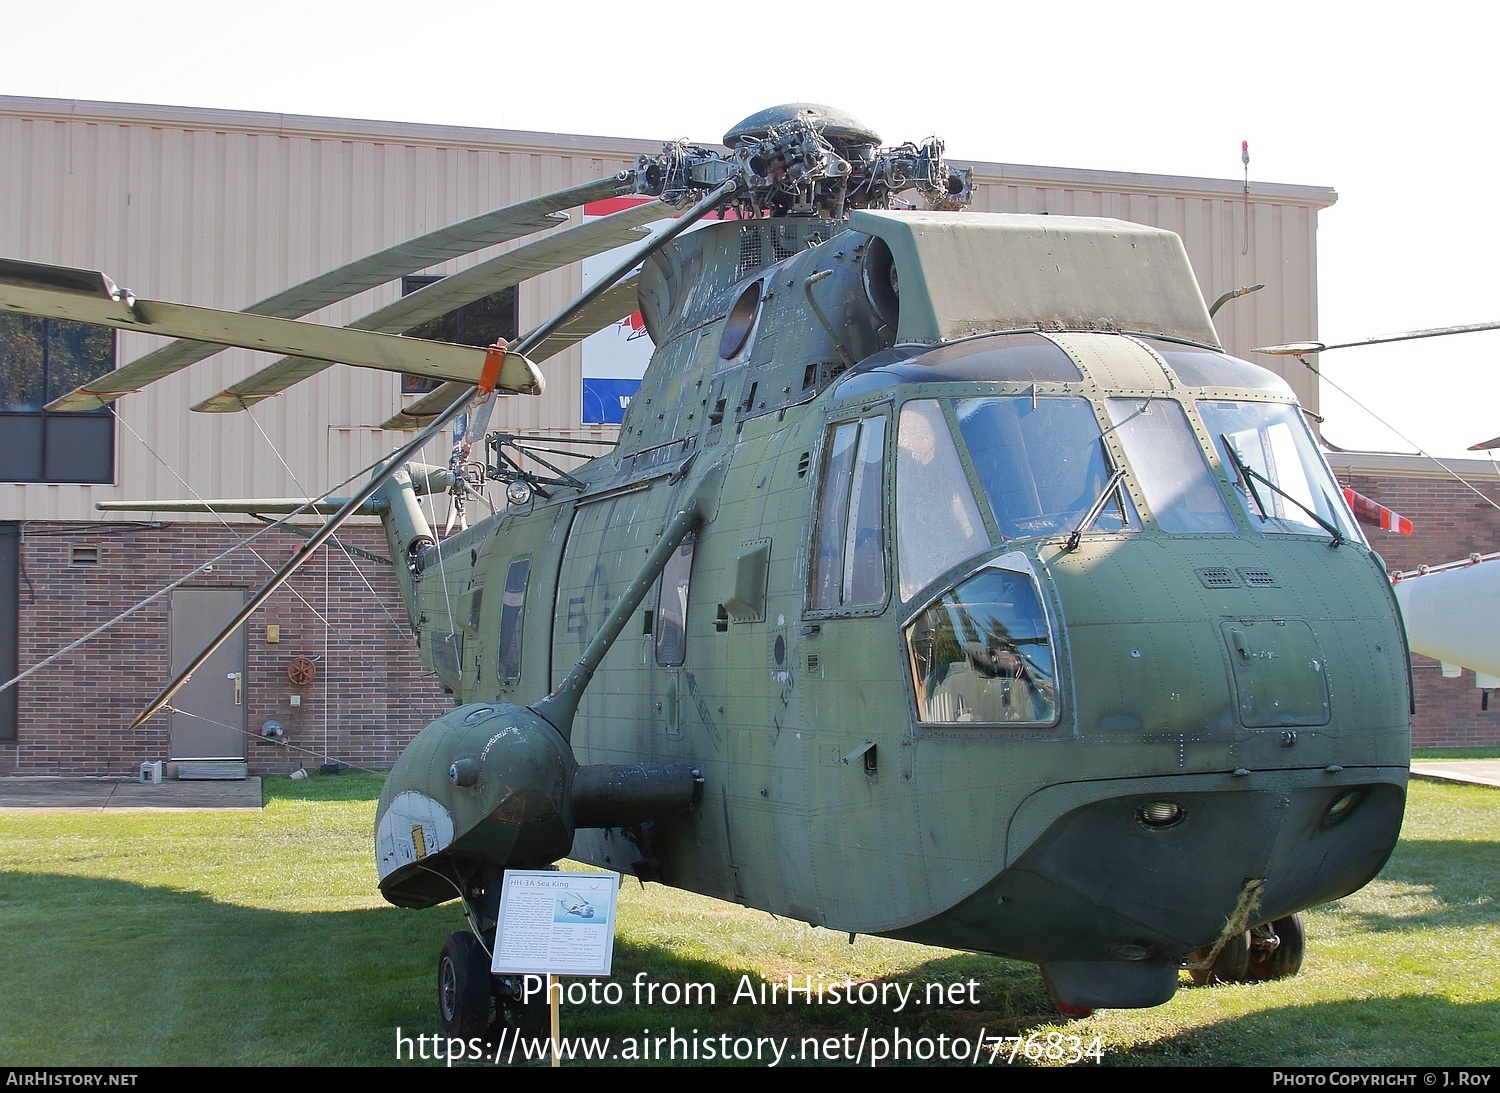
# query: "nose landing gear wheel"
1281, 959
1229, 966
463, 986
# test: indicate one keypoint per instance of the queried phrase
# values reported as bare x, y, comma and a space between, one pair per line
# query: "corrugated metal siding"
223, 208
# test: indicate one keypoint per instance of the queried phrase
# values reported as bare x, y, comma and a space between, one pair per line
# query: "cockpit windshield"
1169, 467
1042, 464
1278, 476
937, 521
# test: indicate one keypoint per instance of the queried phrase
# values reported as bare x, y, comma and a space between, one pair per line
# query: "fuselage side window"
512, 603
864, 538
849, 567
671, 606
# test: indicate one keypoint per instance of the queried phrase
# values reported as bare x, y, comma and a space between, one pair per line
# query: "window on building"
40, 360
478, 323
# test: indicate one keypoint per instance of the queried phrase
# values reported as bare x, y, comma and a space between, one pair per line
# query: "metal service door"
211, 724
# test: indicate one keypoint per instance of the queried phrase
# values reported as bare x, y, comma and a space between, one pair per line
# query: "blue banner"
604, 400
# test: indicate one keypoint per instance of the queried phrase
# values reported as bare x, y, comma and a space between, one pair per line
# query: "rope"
66, 649
1404, 438
279, 743
334, 539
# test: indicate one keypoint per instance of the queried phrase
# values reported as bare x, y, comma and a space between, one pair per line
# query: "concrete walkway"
97, 794
1479, 772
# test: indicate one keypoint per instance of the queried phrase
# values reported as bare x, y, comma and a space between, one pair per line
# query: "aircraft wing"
611, 307
438, 299
90, 297
453, 241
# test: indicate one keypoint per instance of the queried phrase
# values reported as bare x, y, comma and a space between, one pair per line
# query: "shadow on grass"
1402, 1031
111, 973
1454, 881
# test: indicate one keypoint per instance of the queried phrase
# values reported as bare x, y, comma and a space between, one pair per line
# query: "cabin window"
849, 546
1042, 464
1169, 466
512, 603
670, 626
937, 520
41, 360
1261, 442
982, 653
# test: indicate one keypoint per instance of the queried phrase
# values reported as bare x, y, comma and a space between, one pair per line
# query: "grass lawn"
234, 938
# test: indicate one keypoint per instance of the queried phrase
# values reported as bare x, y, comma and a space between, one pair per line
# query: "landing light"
518, 492
1340, 809
1159, 813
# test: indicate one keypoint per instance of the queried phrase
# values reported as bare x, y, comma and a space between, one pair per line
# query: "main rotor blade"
438, 299
350, 507
613, 306
618, 303
453, 241
33, 289
623, 271
1298, 349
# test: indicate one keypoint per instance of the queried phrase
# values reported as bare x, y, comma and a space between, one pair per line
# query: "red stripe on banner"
607, 205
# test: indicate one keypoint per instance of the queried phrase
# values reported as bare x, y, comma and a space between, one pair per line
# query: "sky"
1395, 112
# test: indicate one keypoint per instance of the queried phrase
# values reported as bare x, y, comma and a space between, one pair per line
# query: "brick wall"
1451, 521
370, 696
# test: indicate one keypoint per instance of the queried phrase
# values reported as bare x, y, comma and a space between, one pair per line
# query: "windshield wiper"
1250, 476
1095, 509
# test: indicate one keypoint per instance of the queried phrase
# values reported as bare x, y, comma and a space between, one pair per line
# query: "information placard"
556, 923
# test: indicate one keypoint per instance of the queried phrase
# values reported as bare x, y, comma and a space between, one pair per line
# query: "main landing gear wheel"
1276, 951
463, 986
1229, 966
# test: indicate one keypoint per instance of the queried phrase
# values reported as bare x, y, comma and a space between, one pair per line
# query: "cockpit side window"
512, 606
937, 520
849, 568
982, 653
